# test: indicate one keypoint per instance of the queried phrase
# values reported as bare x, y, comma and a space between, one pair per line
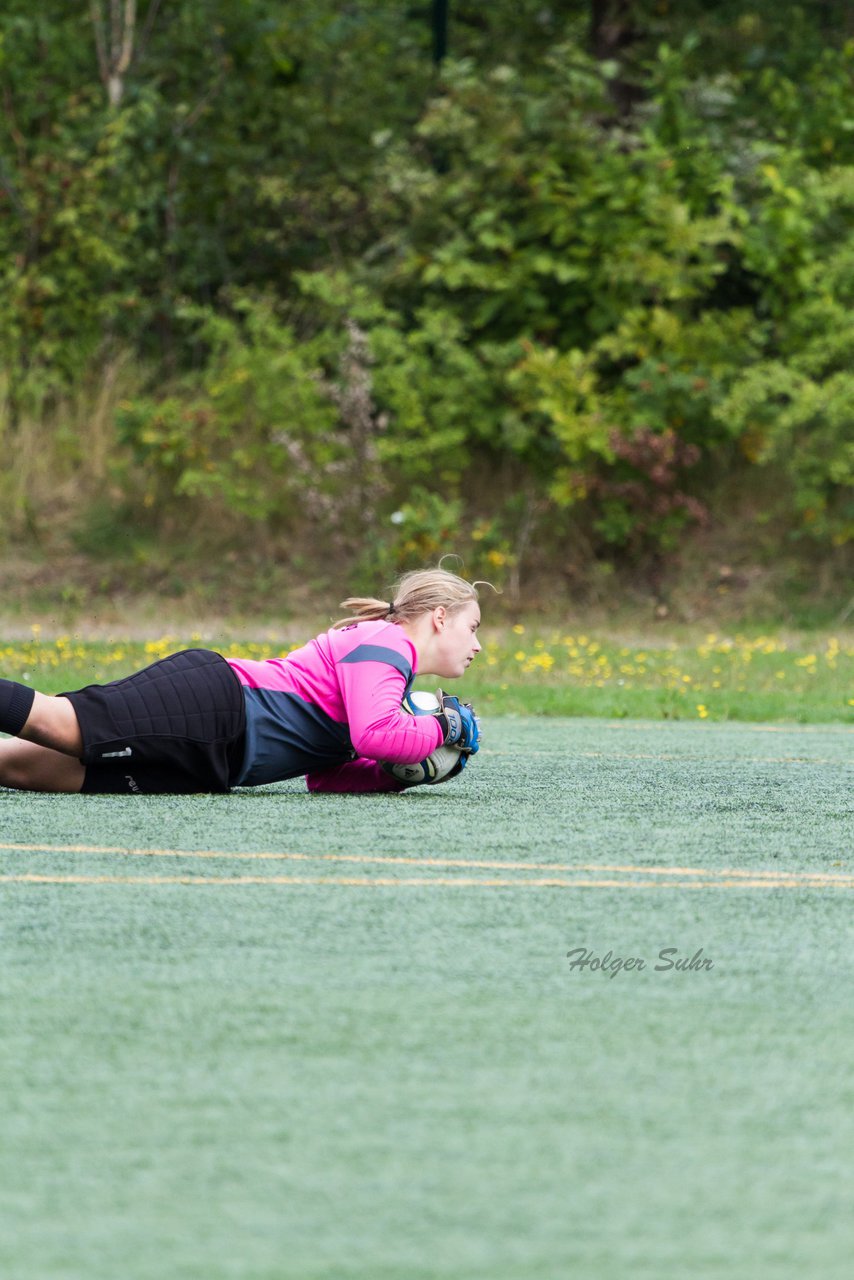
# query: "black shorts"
176, 727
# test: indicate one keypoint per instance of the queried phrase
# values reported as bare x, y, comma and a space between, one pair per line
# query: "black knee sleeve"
16, 703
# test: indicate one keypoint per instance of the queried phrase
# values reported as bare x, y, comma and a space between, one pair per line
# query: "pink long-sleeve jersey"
331, 710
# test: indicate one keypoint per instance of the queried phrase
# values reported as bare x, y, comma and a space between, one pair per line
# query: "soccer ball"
440, 762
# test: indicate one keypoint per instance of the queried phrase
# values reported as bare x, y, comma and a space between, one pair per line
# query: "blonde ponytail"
418, 592
365, 609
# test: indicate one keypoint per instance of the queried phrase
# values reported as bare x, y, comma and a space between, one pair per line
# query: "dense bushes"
498, 309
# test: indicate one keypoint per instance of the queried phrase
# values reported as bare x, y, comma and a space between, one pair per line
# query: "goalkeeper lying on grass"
198, 722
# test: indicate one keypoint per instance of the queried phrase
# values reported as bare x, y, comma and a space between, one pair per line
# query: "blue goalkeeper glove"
459, 723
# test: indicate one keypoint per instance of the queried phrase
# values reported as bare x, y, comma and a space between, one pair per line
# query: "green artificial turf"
377, 1063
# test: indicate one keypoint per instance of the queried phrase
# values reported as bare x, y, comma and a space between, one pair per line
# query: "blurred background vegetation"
288, 304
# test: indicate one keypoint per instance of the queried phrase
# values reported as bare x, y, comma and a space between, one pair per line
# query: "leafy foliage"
541, 293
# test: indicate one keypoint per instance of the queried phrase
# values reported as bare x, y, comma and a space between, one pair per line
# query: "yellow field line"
841, 878
660, 755
707, 759
373, 882
679, 756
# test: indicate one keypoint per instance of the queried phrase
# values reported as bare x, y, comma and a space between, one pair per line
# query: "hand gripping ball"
441, 762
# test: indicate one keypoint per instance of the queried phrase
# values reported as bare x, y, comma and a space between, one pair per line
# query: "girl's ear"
439, 615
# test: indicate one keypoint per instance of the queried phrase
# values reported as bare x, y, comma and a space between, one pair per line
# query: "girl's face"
456, 642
